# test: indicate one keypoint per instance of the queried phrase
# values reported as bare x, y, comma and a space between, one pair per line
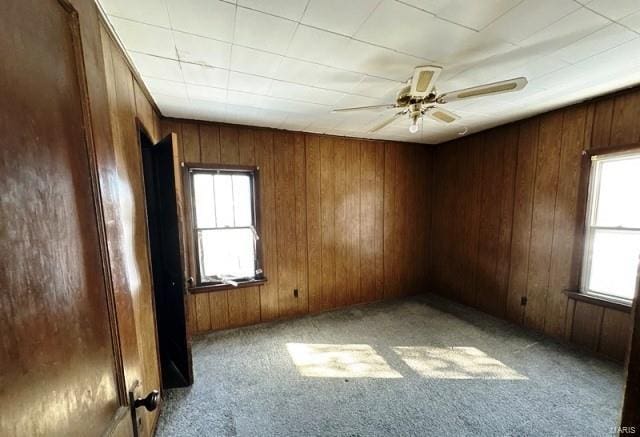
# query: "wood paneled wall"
509, 219
343, 220
129, 110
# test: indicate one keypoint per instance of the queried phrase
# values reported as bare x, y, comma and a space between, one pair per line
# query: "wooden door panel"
60, 372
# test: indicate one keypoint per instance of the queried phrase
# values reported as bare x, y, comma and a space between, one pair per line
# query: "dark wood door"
163, 198
60, 366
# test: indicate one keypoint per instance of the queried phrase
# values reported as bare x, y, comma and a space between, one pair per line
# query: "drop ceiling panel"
322, 14
262, 31
197, 74
210, 18
291, 9
288, 63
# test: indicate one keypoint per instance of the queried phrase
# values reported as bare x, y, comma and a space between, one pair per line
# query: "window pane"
226, 253
619, 192
242, 200
224, 200
204, 204
614, 262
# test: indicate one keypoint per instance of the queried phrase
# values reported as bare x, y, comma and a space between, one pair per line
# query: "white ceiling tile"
288, 90
200, 50
210, 18
199, 92
291, 9
159, 68
145, 11
144, 38
614, 9
249, 83
565, 31
600, 41
254, 61
374, 61
567, 53
202, 75
165, 87
240, 98
251, 31
378, 88
529, 17
473, 14
352, 101
308, 73
315, 45
382, 28
170, 106
208, 110
338, 15
632, 21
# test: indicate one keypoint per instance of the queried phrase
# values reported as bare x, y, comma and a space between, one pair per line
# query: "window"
612, 244
225, 232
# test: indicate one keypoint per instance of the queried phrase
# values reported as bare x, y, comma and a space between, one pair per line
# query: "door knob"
150, 402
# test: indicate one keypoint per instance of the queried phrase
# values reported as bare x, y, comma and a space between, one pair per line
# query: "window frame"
595, 158
195, 279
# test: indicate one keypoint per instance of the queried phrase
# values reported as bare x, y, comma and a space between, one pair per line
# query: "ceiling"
288, 63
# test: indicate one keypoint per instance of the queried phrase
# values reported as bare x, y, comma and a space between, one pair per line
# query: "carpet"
420, 366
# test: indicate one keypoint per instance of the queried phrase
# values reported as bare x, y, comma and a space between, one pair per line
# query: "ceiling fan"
419, 98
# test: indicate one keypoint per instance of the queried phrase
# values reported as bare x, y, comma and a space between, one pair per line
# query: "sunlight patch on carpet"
339, 361
455, 363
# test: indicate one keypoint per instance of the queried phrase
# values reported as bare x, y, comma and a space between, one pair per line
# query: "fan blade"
442, 115
504, 86
423, 80
364, 108
387, 122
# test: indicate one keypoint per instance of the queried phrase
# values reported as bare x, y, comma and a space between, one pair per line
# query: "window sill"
221, 287
599, 300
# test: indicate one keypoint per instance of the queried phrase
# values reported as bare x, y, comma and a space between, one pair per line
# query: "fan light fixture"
418, 98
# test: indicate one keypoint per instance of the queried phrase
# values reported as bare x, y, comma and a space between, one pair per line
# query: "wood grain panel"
603, 114
523, 205
391, 286
368, 222
544, 205
625, 128
614, 335
285, 217
533, 198
322, 204
341, 230
327, 216
301, 263
564, 224
264, 160
314, 222
587, 322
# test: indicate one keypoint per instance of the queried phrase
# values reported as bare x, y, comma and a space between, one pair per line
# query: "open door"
163, 191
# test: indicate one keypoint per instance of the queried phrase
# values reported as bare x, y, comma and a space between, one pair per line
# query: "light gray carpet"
421, 367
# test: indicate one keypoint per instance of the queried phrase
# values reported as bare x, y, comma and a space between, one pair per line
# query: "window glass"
225, 230
203, 198
224, 200
617, 197
227, 253
242, 200
614, 263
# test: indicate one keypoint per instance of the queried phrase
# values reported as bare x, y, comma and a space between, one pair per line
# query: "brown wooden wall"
129, 110
508, 222
343, 220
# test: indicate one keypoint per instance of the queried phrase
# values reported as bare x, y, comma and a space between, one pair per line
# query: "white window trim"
590, 228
